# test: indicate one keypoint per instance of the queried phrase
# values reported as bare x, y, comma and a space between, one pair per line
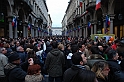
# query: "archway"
3, 20
119, 18
20, 23
99, 21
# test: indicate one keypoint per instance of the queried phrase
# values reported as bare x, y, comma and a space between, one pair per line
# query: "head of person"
81, 46
85, 76
20, 48
14, 58
54, 44
17, 43
31, 54
112, 54
79, 58
34, 69
101, 68
61, 46
3, 50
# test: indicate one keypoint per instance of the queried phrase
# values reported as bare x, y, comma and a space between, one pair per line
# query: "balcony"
25, 3
91, 4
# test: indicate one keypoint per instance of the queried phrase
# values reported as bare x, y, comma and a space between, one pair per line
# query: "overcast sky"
57, 10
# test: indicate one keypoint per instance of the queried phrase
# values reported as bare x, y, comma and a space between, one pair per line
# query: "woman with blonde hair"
101, 68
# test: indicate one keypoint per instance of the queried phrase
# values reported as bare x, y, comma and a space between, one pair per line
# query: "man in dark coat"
13, 71
54, 63
79, 61
115, 74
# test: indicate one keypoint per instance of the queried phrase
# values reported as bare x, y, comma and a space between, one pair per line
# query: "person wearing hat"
13, 70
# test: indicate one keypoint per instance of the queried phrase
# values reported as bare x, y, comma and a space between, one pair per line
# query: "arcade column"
111, 23
10, 26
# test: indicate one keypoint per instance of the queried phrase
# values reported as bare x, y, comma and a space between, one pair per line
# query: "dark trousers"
57, 79
3, 79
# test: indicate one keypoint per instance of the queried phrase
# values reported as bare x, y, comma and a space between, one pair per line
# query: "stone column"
91, 29
84, 33
10, 27
15, 32
36, 31
24, 30
95, 28
111, 23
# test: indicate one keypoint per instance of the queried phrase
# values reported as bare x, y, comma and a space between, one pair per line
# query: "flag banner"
81, 3
84, 13
29, 26
39, 29
98, 4
14, 22
89, 24
107, 21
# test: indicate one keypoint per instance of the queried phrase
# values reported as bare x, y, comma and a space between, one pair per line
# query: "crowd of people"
63, 59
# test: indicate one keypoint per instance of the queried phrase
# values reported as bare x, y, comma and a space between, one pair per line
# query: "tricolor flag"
14, 22
29, 26
107, 21
39, 29
89, 24
98, 4
80, 3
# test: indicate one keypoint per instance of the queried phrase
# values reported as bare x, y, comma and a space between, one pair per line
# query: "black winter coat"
115, 74
70, 73
14, 73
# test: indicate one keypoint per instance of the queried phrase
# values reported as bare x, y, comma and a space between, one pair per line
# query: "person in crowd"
21, 52
79, 60
54, 63
84, 76
31, 54
13, 70
7, 46
14, 47
115, 74
68, 55
34, 73
82, 48
101, 69
115, 44
121, 56
3, 62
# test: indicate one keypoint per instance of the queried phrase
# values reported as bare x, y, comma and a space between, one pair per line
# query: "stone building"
25, 14
78, 17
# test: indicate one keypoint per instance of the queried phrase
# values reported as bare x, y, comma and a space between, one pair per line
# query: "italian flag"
80, 3
98, 4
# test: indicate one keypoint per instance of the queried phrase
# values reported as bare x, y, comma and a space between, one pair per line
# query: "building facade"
80, 15
64, 24
49, 25
30, 18
56, 31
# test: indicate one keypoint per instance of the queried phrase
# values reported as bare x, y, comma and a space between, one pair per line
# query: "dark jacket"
54, 63
102, 80
70, 73
22, 56
14, 73
115, 74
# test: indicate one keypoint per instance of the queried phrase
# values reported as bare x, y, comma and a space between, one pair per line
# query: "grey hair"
1, 48
18, 48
